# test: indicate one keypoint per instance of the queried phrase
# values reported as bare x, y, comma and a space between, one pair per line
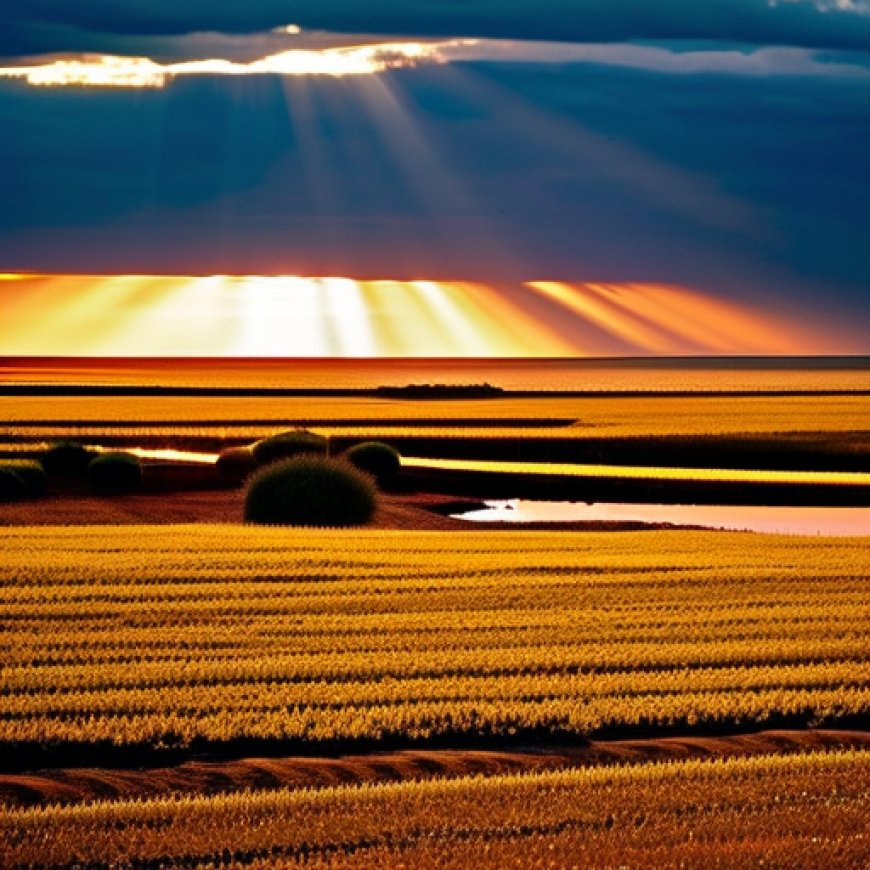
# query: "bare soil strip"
424, 511
199, 777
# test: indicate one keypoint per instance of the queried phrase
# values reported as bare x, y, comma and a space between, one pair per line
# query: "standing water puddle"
837, 521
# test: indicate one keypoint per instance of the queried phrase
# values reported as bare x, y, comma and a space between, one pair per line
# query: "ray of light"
457, 222
581, 300
710, 322
654, 318
292, 316
620, 161
278, 317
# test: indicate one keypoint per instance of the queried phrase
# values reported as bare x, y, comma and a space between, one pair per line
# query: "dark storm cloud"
30, 26
467, 171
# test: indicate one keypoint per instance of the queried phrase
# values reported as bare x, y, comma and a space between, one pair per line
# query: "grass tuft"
115, 472
310, 491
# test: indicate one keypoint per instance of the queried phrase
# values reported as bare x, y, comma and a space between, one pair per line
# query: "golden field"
129, 646
163, 637
581, 416
806, 810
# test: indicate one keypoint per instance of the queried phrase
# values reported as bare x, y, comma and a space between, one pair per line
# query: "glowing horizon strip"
297, 316
642, 472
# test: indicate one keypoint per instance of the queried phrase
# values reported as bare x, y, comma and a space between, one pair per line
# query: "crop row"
799, 811
167, 636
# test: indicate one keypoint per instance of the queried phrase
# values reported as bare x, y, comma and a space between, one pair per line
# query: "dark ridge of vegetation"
798, 451
381, 461
67, 459
221, 422
31, 473
842, 451
11, 485
115, 472
236, 463
286, 445
440, 391
358, 392
310, 491
27, 756
488, 485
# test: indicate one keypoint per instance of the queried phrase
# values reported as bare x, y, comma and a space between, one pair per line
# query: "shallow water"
165, 454
834, 521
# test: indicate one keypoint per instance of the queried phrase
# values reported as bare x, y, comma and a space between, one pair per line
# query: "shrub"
286, 445
236, 463
11, 485
67, 459
310, 491
380, 460
31, 473
115, 472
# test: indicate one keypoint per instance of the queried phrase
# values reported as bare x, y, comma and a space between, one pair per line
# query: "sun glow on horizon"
295, 316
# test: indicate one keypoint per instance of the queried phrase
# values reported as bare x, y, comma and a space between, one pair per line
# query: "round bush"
236, 463
11, 485
115, 472
67, 459
380, 460
31, 473
310, 491
286, 445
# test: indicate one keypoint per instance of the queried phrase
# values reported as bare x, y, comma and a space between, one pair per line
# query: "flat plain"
183, 690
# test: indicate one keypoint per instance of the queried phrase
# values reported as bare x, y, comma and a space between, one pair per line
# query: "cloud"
142, 72
96, 70
39, 26
476, 171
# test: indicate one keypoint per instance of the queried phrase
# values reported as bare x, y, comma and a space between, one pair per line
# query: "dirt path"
197, 777
420, 510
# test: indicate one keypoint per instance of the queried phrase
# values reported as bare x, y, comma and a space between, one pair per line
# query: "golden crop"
599, 416
154, 635
804, 810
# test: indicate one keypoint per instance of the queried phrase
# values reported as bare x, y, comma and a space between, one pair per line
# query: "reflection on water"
643, 472
771, 520
165, 454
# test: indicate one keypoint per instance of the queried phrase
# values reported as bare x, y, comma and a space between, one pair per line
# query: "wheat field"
798, 811
602, 416
165, 637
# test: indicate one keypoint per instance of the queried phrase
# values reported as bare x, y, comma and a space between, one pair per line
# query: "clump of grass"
286, 445
380, 460
236, 463
67, 459
115, 472
31, 474
310, 491
11, 485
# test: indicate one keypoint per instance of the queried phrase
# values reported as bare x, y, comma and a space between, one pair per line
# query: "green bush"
310, 491
115, 472
31, 473
286, 445
377, 459
236, 463
67, 459
11, 485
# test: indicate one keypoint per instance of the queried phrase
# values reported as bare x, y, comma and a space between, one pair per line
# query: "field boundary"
79, 785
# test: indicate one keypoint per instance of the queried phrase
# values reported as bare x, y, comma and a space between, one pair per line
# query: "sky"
718, 149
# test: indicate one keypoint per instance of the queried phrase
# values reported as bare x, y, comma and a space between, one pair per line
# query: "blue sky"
721, 145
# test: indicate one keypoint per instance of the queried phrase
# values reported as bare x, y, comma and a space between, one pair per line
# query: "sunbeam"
293, 316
